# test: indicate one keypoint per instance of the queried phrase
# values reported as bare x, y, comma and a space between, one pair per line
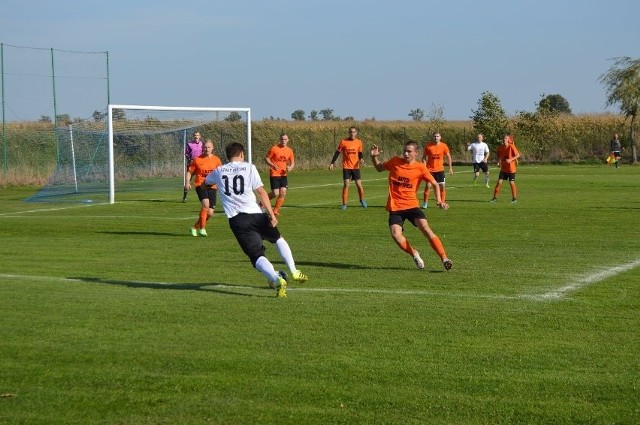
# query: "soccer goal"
138, 148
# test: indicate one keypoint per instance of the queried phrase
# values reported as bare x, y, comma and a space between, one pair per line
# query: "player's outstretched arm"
375, 152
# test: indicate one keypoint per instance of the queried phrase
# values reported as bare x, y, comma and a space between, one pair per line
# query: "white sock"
285, 253
264, 266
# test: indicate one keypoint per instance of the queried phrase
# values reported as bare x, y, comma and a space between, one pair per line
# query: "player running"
405, 175
237, 181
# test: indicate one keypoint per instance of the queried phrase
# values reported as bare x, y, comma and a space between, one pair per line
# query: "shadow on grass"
475, 201
353, 206
343, 266
221, 288
143, 233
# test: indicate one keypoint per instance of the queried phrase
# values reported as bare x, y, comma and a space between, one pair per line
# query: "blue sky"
366, 59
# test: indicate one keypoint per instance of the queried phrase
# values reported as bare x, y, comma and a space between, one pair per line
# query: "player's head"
196, 135
480, 137
209, 146
353, 132
506, 139
437, 136
284, 139
410, 151
234, 150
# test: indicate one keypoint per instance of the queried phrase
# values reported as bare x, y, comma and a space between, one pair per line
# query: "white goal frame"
164, 108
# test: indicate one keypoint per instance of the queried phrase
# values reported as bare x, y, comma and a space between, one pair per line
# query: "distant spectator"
616, 150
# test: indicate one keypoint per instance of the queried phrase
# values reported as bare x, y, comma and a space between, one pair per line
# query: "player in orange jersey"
200, 167
434, 154
405, 175
281, 160
507, 160
351, 150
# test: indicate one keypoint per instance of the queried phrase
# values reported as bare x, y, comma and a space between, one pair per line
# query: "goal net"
137, 148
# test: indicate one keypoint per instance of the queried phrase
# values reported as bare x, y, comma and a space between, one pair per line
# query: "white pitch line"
204, 286
68, 207
555, 294
583, 281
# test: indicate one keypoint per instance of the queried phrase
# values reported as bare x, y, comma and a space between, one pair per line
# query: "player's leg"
281, 194
396, 230
443, 191
485, 169
244, 228
496, 190
425, 195
434, 241
514, 191
345, 193
360, 187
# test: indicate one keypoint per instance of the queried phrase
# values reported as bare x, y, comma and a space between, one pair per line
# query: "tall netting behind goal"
138, 149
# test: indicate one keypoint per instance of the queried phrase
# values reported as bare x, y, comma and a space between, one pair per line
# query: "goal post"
168, 128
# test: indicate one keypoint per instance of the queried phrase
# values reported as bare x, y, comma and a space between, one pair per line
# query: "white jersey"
236, 182
478, 151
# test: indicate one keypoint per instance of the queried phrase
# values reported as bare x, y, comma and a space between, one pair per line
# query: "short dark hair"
412, 143
234, 149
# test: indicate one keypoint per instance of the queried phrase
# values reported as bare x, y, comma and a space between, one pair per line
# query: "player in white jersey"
480, 157
238, 183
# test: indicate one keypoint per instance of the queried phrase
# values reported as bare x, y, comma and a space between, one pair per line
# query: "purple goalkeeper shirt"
193, 150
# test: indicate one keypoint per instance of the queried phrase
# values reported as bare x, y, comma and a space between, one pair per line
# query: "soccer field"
114, 314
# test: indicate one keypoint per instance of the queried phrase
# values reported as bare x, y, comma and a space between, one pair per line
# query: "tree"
435, 116
313, 115
416, 114
622, 83
63, 119
44, 118
233, 116
490, 119
298, 115
327, 114
554, 103
98, 116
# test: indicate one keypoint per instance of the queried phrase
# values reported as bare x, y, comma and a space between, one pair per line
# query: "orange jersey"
435, 153
202, 166
350, 150
507, 152
404, 180
280, 156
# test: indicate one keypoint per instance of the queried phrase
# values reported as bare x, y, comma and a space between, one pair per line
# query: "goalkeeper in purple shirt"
192, 151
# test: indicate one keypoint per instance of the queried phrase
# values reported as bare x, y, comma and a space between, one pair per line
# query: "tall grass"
28, 150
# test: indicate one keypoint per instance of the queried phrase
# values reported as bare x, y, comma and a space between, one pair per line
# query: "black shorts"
206, 192
250, 230
399, 217
438, 175
478, 166
278, 182
507, 176
348, 174
616, 154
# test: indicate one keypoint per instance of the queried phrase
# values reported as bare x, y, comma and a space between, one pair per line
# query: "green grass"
112, 314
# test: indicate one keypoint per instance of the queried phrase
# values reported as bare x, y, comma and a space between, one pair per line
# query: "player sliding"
237, 180
405, 175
